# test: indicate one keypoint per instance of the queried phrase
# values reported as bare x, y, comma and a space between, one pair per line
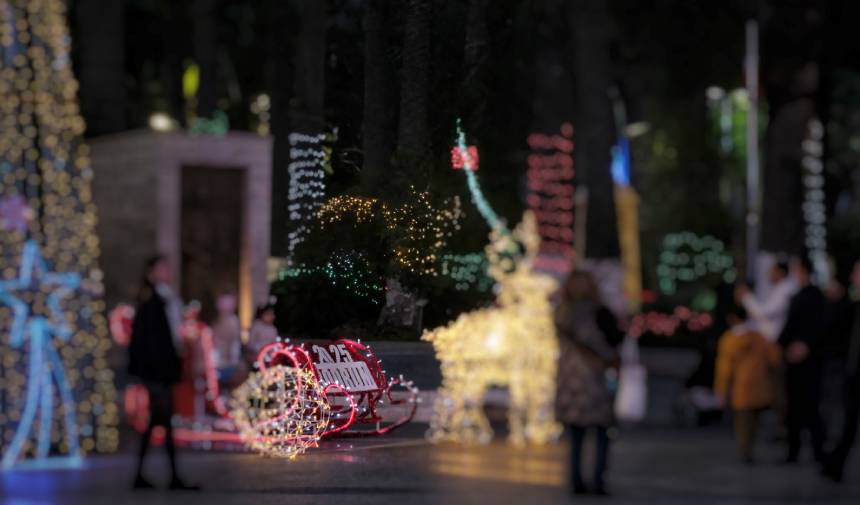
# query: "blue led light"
45, 360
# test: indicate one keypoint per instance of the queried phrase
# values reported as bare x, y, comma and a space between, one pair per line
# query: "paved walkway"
649, 466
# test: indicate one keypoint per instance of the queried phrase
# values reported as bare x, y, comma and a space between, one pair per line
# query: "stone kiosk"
203, 201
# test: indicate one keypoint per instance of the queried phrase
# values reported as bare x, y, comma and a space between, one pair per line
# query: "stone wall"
137, 188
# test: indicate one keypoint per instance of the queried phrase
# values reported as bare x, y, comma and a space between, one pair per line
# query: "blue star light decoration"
45, 362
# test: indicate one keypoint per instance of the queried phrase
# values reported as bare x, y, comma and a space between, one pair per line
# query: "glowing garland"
550, 179
49, 226
466, 158
341, 271
310, 160
420, 230
687, 257
513, 344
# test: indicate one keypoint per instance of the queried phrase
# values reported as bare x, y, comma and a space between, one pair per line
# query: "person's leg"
169, 443
755, 415
835, 463
744, 432
139, 480
577, 440
602, 460
815, 421
795, 414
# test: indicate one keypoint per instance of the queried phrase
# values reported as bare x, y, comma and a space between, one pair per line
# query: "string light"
550, 179
466, 158
468, 271
44, 162
280, 411
310, 160
348, 271
814, 210
419, 229
687, 257
512, 344
667, 325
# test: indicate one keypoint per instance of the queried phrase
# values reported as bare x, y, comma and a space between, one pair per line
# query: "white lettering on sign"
354, 376
339, 351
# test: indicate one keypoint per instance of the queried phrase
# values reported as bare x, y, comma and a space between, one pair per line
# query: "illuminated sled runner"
354, 382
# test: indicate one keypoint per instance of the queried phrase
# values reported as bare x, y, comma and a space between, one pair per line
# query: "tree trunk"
473, 96
100, 45
173, 36
281, 86
594, 129
308, 114
378, 134
206, 56
413, 142
791, 78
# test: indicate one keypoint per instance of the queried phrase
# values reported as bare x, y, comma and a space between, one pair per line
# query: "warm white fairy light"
512, 344
280, 411
420, 228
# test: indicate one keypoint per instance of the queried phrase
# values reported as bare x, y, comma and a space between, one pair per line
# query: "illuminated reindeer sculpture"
511, 344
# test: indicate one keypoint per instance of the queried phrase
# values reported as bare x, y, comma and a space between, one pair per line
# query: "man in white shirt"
769, 314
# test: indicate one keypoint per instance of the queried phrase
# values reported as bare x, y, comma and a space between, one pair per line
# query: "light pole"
753, 216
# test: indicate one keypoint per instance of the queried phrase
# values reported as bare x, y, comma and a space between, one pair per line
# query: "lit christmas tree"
56, 390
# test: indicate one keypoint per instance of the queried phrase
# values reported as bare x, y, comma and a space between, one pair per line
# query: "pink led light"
460, 159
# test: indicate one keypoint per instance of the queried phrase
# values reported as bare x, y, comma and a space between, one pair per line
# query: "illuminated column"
57, 393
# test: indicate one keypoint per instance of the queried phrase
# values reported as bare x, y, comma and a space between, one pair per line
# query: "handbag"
631, 402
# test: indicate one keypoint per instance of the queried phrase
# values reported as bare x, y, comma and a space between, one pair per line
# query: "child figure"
263, 330
745, 365
226, 336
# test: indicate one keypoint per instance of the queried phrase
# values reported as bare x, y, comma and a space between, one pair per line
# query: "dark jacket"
845, 337
807, 319
152, 355
583, 398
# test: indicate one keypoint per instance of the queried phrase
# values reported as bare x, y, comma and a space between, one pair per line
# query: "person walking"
583, 401
848, 324
227, 339
800, 339
745, 362
154, 359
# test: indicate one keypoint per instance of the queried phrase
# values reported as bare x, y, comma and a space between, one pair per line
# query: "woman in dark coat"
153, 359
588, 334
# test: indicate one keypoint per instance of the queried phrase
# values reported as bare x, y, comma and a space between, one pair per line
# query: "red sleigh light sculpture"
354, 383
